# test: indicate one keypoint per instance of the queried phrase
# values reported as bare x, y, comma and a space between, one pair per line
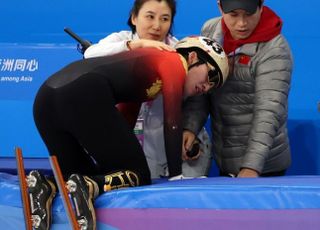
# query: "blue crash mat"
291, 202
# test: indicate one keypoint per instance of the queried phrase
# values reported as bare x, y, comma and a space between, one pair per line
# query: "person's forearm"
112, 44
100, 50
195, 113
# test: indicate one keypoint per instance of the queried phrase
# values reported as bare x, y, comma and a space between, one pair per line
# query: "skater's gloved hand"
179, 177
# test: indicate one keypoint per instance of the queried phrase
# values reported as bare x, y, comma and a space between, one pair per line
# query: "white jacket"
116, 43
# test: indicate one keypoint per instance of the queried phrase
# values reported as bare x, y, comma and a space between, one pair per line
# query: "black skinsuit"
76, 115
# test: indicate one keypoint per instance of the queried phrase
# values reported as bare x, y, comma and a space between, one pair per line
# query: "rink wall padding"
291, 202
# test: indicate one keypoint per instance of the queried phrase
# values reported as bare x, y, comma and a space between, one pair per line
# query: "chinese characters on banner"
22, 69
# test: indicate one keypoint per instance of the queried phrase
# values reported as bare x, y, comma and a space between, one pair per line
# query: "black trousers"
80, 124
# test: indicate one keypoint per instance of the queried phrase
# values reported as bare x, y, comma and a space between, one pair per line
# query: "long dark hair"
139, 3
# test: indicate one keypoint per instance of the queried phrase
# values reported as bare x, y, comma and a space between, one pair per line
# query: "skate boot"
120, 179
41, 193
83, 191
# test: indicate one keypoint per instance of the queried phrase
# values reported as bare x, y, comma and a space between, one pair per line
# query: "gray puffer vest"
249, 113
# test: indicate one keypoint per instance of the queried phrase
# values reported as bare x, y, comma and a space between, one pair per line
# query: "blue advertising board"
23, 68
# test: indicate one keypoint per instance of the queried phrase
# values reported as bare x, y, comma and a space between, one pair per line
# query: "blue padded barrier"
291, 202
40, 42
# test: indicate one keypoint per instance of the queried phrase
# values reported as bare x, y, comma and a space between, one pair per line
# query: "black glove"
194, 149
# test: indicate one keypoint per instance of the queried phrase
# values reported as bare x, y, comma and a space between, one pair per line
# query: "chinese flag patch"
244, 59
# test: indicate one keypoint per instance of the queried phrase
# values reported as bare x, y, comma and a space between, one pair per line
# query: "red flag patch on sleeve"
244, 59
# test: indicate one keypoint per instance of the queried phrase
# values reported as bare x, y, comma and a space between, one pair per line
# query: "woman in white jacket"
151, 23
